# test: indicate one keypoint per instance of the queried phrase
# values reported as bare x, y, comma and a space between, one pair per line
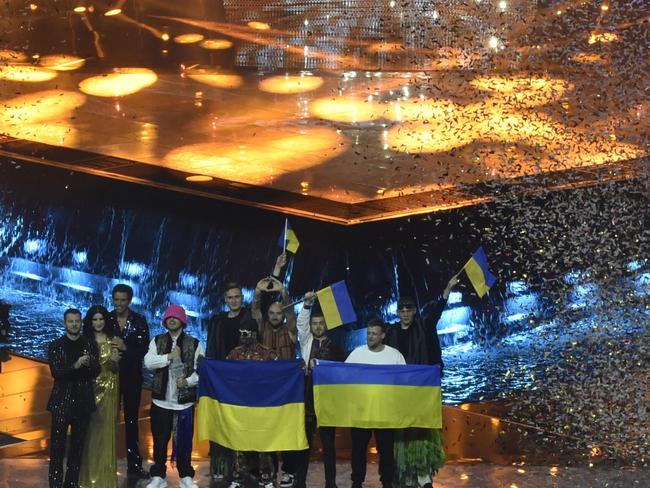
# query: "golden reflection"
603, 37
121, 82
588, 58
62, 62
290, 84
348, 109
188, 38
385, 47
523, 90
41, 116
199, 178
28, 73
11, 56
262, 159
416, 109
216, 78
259, 25
216, 44
439, 136
79, 10
112, 12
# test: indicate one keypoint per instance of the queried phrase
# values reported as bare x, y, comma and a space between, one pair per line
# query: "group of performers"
97, 366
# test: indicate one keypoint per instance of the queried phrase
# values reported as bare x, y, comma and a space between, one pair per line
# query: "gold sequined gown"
99, 459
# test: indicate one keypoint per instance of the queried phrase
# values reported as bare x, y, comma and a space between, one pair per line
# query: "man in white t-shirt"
375, 352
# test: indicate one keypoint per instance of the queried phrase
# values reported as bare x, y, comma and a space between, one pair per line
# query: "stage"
31, 472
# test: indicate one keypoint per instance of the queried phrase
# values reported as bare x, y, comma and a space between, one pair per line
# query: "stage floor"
31, 472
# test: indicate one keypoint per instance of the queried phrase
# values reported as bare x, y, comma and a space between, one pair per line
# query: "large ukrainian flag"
252, 405
373, 396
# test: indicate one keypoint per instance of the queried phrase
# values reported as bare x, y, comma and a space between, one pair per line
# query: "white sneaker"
286, 481
188, 482
157, 482
270, 484
235, 484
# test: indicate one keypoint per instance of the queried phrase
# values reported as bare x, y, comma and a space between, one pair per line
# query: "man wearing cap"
173, 358
418, 453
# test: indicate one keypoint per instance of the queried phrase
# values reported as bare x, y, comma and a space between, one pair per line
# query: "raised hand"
310, 298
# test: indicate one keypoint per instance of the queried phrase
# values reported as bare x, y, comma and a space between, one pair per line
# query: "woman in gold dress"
99, 458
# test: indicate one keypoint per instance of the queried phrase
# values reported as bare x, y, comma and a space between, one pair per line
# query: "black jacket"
136, 338
72, 395
423, 345
223, 332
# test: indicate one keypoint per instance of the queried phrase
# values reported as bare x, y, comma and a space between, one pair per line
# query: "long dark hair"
88, 322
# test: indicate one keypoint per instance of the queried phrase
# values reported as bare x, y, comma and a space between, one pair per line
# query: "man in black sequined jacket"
74, 364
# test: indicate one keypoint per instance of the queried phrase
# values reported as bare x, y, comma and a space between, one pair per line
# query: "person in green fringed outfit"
418, 453
99, 458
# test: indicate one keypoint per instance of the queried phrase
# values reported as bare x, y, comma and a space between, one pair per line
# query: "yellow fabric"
99, 458
378, 406
476, 276
329, 308
260, 429
292, 242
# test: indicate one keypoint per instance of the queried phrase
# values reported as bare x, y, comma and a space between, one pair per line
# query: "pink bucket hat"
177, 312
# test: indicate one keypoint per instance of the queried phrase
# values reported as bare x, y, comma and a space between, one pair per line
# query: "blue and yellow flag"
336, 305
478, 272
288, 239
252, 405
382, 397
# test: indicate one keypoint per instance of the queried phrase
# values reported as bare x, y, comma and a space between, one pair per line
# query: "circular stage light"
216, 78
529, 91
259, 25
350, 110
27, 73
10, 56
216, 44
119, 83
62, 62
260, 158
199, 178
188, 38
290, 84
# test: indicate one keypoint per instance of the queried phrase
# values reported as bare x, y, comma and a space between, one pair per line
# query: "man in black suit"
132, 339
74, 364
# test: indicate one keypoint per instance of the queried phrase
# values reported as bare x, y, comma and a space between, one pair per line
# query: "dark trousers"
384, 440
130, 391
327, 439
162, 422
58, 441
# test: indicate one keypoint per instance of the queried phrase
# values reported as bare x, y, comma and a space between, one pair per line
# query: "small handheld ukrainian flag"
478, 273
288, 239
336, 305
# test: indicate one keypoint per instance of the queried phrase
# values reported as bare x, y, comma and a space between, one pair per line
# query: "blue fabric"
481, 259
182, 440
343, 302
334, 373
252, 383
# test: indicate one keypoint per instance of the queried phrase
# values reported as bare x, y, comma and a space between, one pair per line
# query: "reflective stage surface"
348, 112
27, 473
